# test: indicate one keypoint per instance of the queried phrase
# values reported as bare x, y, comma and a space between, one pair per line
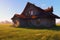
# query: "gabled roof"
46, 13
29, 4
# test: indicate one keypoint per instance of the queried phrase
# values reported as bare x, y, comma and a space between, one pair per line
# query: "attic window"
31, 12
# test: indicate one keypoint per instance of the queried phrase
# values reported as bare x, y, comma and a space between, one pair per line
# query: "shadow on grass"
57, 28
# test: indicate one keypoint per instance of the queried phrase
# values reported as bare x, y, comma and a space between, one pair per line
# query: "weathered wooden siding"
16, 22
43, 22
27, 12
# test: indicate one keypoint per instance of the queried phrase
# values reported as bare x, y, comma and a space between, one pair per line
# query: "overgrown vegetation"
7, 32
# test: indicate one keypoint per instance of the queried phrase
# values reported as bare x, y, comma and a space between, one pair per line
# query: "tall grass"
7, 32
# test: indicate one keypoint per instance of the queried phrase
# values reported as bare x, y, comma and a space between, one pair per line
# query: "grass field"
7, 32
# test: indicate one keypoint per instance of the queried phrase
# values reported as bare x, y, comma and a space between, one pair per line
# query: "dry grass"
7, 32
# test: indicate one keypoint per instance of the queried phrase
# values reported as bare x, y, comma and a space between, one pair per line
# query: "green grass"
7, 32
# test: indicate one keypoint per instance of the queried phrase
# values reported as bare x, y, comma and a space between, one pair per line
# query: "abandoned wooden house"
35, 16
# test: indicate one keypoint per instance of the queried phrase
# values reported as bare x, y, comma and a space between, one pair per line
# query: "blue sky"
10, 7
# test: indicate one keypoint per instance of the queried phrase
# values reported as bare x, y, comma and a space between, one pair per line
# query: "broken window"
31, 12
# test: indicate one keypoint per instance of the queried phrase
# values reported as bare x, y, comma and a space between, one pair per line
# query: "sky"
10, 7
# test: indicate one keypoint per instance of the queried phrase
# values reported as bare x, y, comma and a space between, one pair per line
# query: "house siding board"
23, 23
47, 22
43, 22
52, 22
34, 22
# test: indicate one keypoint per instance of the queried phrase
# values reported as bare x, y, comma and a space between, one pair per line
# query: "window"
38, 21
31, 12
